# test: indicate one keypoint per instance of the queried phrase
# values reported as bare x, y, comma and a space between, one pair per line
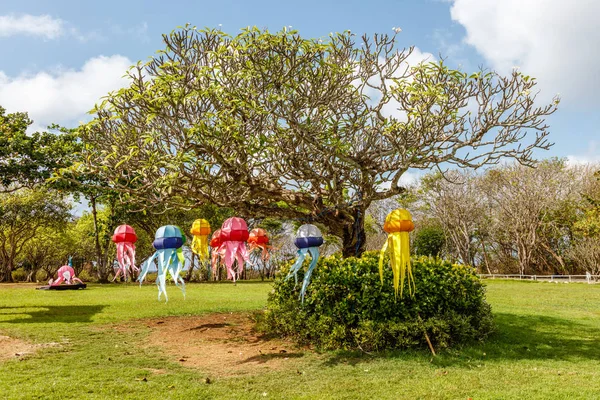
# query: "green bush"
346, 307
429, 241
19, 275
85, 276
41, 276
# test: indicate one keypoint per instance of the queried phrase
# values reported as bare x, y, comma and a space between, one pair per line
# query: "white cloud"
592, 155
33, 25
63, 96
555, 41
391, 109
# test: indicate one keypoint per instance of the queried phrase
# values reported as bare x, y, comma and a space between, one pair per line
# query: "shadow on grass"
535, 337
49, 314
204, 327
264, 358
517, 337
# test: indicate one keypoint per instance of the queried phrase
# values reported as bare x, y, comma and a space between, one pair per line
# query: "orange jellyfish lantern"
234, 233
200, 230
258, 239
125, 239
398, 224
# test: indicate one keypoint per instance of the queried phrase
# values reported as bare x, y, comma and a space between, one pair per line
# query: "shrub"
429, 241
19, 275
346, 307
41, 276
86, 276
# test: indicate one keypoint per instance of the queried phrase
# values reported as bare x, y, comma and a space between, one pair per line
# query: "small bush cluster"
346, 307
86, 276
19, 275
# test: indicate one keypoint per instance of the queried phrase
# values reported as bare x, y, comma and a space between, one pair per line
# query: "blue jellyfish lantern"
308, 240
168, 242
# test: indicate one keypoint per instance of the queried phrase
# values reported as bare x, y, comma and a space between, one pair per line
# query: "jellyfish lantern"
258, 239
216, 252
234, 233
168, 242
308, 240
398, 224
66, 274
200, 230
125, 239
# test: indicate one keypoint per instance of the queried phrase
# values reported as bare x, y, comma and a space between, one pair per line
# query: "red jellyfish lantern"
216, 253
125, 238
234, 233
258, 239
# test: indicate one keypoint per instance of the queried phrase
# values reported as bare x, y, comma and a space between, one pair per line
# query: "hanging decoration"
308, 240
234, 233
168, 243
217, 254
259, 239
398, 224
125, 238
200, 230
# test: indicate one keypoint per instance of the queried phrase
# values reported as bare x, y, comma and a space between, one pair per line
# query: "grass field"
547, 346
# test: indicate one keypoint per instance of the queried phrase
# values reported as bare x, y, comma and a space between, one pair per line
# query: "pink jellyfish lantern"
65, 274
125, 239
234, 233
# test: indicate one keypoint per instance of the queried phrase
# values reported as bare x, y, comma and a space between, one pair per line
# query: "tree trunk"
102, 273
190, 270
354, 236
6, 275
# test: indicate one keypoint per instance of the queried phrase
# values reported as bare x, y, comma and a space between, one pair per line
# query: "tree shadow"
204, 327
533, 337
264, 358
517, 337
50, 314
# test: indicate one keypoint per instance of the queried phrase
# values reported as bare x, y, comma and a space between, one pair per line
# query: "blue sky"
58, 57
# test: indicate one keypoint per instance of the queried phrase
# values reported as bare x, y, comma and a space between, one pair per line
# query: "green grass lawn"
546, 347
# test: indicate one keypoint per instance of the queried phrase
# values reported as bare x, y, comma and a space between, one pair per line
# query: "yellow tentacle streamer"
200, 230
398, 224
200, 246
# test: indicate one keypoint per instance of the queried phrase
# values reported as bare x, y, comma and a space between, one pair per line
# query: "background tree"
22, 214
49, 250
429, 240
457, 203
272, 124
28, 160
524, 200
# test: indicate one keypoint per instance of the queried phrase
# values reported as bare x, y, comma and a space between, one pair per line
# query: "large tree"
273, 124
27, 160
22, 214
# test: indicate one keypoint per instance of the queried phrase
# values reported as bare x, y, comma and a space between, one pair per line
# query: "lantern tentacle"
297, 265
398, 224
314, 253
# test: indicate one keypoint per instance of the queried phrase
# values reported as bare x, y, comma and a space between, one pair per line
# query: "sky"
58, 58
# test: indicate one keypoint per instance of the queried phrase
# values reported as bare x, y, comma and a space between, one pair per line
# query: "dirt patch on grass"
223, 345
11, 348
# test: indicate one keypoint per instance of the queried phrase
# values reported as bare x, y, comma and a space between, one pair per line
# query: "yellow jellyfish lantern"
200, 230
398, 224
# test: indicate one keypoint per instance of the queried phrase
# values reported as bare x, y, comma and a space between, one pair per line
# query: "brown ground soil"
15, 348
222, 345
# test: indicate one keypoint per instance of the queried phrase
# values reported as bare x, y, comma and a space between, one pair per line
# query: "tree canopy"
274, 124
28, 160
22, 214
